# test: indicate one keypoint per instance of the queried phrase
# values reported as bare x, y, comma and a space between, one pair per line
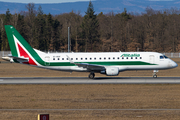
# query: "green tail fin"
13, 38
20, 47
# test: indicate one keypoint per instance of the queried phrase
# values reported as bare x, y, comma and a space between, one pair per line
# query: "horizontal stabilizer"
12, 58
19, 59
6, 58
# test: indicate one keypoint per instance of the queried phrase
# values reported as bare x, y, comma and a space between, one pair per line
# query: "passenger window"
136, 58
71, 58
62, 58
81, 58
76, 58
58, 58
109, 58
140, 57
90, 58
104, 58
53, 58
100, 58
113, 57
117, 57
85, 58
67, 58
127, 58
94, 58
131, 57
122, 57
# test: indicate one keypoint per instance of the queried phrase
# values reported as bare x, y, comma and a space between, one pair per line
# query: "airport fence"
170, 55
4, 53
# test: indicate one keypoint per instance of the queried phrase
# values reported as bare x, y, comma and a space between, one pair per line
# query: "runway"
85, 80
89, 109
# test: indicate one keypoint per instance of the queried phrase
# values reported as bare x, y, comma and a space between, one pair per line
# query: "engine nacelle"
112, 71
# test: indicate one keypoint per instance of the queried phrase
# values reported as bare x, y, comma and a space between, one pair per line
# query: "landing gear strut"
155, 73
91, 75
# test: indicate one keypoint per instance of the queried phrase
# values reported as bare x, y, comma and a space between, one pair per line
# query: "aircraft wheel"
155, 73
91, 75
154, 76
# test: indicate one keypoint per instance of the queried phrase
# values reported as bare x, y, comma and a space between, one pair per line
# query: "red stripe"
23, 53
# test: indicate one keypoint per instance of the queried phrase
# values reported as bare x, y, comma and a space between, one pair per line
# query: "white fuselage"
130, 61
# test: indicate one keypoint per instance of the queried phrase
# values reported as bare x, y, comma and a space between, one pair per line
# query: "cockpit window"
161, 57
165, 57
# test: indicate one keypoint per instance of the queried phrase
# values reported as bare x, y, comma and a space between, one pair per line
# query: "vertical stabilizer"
20, 48
17, 42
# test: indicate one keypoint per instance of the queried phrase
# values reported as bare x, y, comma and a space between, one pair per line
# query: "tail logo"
22, 52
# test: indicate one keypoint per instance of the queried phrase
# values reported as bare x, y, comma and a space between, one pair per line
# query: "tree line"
153, 30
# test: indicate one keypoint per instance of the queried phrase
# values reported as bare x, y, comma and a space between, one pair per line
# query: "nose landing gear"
91, 75
155, 73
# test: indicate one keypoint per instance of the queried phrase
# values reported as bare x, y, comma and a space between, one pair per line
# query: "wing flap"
90, 66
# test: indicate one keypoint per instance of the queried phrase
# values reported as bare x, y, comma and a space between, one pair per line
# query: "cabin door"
47, 60
151, 59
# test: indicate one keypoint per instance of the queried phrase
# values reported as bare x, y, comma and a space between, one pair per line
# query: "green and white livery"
108, 63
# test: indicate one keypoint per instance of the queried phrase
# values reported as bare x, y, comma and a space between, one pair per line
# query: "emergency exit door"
152, 59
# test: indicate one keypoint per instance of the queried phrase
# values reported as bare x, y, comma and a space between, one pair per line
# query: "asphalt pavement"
97, 80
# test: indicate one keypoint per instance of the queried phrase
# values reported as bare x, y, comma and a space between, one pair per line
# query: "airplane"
108, 63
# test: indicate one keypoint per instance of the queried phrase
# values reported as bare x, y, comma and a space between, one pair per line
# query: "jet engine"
112, 71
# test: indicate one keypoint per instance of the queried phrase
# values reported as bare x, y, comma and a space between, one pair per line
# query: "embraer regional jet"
108, 63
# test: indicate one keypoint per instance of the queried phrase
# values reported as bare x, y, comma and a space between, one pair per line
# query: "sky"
41, 1
55, 1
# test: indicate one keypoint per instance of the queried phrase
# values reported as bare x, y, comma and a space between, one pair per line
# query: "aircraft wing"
90, 66
87, 65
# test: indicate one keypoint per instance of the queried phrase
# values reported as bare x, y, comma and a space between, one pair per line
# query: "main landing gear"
91, 75
155, 73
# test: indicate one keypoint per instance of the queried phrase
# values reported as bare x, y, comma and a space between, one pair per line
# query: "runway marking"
89, 109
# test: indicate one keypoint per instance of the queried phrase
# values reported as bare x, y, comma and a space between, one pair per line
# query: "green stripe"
102, 63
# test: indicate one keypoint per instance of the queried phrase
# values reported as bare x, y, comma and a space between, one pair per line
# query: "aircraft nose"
174, 64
